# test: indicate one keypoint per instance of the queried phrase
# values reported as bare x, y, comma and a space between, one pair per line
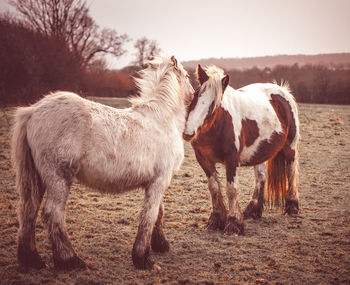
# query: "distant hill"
329, 60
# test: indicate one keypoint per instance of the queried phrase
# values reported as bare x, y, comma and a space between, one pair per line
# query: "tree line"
309, 83
56, 45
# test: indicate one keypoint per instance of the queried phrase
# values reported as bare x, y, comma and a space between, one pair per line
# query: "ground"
311, 248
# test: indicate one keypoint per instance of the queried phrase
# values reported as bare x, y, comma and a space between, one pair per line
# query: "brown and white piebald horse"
256, 125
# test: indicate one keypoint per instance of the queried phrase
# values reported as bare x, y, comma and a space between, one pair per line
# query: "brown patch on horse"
249, 133
285, 114
209, 119
217, 142
267, 148
277, 191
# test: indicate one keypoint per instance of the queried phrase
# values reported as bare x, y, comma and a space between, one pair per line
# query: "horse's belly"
262, 150
114, 176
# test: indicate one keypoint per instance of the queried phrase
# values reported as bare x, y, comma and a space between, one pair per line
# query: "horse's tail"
28, 183
281, 175
277, 180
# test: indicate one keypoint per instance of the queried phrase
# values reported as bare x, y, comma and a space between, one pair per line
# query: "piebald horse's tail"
282, 169
277, 180
29, 187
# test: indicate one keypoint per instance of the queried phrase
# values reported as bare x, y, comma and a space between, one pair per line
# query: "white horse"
65, 136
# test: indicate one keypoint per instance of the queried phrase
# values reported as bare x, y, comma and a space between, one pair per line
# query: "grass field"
312, 248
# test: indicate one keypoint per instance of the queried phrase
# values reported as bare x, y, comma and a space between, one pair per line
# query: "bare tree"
69, 21
146, 50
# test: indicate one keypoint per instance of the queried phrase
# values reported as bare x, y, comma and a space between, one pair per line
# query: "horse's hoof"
159, 243
292, 207
215, 222
233, 227
253, 211
29, 259
72, 263
142, 262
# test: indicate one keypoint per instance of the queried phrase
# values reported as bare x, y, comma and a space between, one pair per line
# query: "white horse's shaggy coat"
65, 136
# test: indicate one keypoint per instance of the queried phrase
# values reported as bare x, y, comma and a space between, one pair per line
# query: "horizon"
231, 29
273, 55
193, 30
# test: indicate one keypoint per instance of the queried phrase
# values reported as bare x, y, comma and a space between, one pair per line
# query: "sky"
195, 29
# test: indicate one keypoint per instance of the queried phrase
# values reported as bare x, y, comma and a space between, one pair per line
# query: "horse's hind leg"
148, 217
159, 242
292, 200
256, 205
64, 256
28, 208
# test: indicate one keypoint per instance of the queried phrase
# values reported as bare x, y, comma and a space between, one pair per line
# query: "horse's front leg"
256, 205
234, 222
148, 216
217, 217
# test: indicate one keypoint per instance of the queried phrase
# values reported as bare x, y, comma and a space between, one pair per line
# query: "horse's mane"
159, 89
214, 82
214, 71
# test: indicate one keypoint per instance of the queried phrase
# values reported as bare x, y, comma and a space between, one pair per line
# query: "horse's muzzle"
187, 137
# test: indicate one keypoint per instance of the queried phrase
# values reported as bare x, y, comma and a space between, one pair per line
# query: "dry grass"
312, 248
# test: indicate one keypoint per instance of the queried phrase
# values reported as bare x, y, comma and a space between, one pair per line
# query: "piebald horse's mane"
215, 75
159, 86
214, 71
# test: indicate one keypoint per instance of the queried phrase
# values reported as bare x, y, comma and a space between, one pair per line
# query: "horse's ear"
174, 60
201, 75
224, 82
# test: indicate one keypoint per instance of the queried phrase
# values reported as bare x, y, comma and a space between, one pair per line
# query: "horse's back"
257, 102
259, 113
56, 131
262, 92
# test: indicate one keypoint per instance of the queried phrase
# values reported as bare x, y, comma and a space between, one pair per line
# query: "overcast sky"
194, 29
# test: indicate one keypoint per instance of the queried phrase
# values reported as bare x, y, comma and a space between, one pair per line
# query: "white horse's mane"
159, 87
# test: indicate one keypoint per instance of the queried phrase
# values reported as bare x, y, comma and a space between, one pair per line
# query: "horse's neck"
231, 101
160, 100
168, 119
